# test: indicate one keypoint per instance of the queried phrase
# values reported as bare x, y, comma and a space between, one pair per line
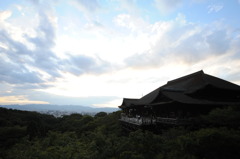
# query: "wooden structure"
178, 101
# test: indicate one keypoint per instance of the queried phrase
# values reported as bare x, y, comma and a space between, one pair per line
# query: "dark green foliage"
32, 135
210, 143
73, 122
229, 117
100, 114
10, 135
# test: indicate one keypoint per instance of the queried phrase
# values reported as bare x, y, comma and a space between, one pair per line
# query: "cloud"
39, 56
101, 53
95, 27
130, 6
179, 41
82, 64
215, 8
234, 76
68, 100
33, 94
168, 6
130, 22
18, 100
18, 76
12, 66
30, 57
88, 6
35, 2
45, 33
44, 41
218, 42
111, 103
26, 59
199, 1
5, 15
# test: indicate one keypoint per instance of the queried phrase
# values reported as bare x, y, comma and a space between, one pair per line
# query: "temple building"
176, 102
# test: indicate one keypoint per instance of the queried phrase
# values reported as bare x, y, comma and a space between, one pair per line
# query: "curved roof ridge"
186, 77
220, 83
150, 97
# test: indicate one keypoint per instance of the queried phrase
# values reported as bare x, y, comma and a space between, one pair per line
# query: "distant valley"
60, 110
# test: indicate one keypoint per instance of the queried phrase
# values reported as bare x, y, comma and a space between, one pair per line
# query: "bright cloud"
89, 6
214, 8
98, 52
5, 15
18, 100
167, 6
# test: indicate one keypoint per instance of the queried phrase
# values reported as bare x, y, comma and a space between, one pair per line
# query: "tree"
100, 114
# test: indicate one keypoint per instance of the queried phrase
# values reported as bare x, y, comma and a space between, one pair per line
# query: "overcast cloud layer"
97, 52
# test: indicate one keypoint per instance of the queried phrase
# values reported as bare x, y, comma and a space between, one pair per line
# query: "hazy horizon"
57, 105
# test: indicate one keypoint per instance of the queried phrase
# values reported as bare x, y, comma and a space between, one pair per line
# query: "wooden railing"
167, 120
152, 121
137, 121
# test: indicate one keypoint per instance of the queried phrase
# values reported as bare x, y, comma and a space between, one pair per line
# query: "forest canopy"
26, 134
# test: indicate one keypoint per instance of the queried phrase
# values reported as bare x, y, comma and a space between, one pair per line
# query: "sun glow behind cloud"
18, 100
82, 49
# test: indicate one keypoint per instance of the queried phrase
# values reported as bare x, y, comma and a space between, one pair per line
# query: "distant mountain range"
57, 109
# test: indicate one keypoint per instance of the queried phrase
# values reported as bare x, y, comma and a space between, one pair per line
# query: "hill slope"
61, 108
26, 134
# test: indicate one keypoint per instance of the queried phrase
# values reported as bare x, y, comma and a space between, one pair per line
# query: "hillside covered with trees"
30, 135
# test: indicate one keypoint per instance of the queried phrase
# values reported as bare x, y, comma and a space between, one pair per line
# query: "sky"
97, 52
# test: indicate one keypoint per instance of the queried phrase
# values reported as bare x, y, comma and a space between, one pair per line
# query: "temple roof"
196, 88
